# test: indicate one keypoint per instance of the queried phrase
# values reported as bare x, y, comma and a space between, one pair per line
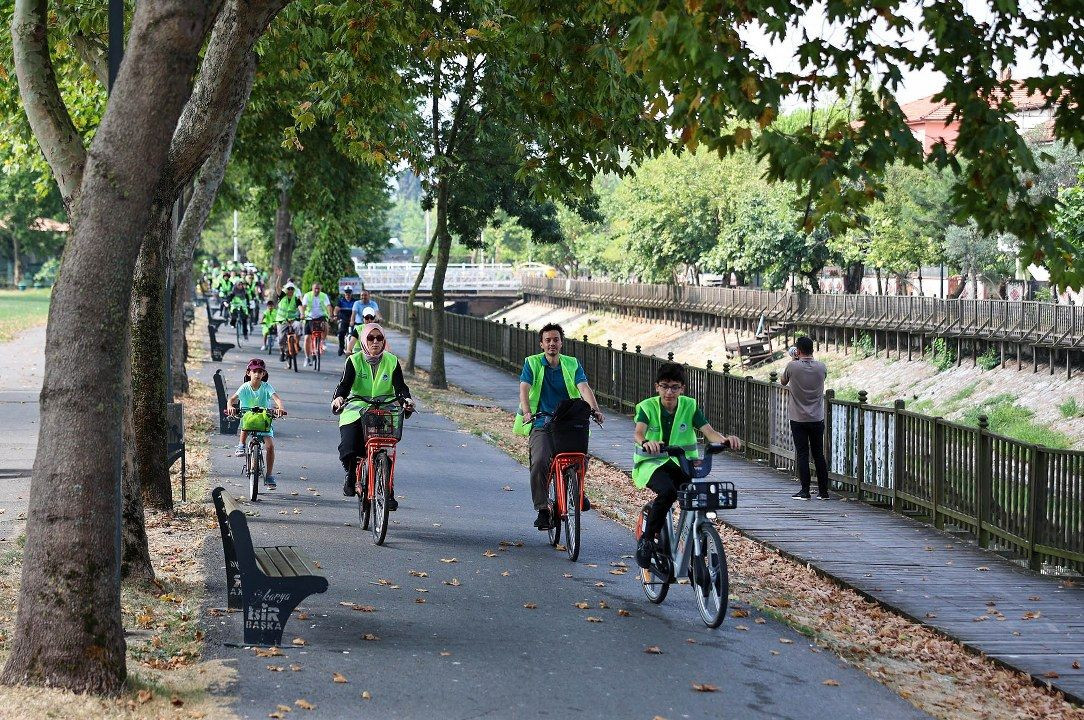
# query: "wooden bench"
226, 425
218, 349
211, 319
266, 583
175, 441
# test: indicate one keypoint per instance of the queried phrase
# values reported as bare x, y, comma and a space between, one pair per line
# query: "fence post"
860, 471
897, 453
1036, 505
938, 489
773, 416
726, 400
829, 396
983, 468
748, 419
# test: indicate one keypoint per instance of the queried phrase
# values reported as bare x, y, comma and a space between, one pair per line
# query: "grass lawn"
22, 309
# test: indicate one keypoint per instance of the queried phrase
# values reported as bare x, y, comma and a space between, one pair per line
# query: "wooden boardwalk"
909, 567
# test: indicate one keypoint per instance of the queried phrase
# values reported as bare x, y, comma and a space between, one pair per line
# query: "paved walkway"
905, 565
460, 641
20, 384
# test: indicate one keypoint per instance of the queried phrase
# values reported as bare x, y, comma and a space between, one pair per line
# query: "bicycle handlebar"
401, 399
543, 413
271, 411
679, 451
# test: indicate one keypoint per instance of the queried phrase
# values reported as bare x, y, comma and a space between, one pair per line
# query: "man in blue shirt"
358, 311
548, 379
343, 307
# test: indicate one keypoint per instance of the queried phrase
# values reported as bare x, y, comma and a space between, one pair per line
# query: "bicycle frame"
315, 340
557, 471
374, 445
680, 550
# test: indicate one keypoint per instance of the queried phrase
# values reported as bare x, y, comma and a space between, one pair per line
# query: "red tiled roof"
926, 108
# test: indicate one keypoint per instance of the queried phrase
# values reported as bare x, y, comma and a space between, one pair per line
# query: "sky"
917, 83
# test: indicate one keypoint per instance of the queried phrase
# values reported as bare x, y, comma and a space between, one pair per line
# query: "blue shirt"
359, 306
249, 398
554, 391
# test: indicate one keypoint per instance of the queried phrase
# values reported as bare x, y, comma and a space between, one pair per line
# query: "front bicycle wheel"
572, 516
316, 357
255, 470
365, 507
656, 579
708, 574
554, 532
381, 488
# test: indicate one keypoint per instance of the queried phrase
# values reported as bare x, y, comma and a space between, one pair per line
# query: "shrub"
1007, 418
941, 355
864, 345
1070, 408
990, 359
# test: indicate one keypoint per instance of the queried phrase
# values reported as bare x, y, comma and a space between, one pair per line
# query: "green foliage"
1045, 294
977, 255
990, 359
940, 355
864, 345
1071, 408
966, 392
330, 260
46, 274
848, 394
1006, 418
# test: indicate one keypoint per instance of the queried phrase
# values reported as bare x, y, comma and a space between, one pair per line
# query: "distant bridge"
463, 280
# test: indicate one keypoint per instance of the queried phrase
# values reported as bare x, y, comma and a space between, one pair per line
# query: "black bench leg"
266, 611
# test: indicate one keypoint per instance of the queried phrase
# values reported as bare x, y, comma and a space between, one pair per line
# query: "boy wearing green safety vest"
669, 418
548, 379
287, 314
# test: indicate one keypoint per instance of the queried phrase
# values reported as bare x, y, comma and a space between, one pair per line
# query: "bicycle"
566, 505
254, 456
270, 340
314, 343
291, 345
694, 548
375, 477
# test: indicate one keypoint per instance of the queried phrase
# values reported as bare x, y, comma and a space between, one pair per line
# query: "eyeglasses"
670, 388
374, 338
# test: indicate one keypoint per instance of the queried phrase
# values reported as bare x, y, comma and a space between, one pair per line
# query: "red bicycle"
314, 342
568, 471
375, 478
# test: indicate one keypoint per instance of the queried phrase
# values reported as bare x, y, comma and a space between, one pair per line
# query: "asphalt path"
22, 365
461, 641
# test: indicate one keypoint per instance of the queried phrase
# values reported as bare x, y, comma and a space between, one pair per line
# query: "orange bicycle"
314, 342
568, 471
375, 479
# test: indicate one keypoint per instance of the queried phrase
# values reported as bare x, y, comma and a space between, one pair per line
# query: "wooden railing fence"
1024, 500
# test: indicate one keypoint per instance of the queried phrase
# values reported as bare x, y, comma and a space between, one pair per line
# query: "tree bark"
412, 309
135, 562
852, 278
17, 268
285, 239
68, 631
437, 376
149, 380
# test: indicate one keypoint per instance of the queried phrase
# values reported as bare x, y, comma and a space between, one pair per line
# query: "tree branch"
93, 53
45, 110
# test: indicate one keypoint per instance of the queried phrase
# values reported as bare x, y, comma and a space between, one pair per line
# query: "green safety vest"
368, 384
285, 311
569, 365
682, 433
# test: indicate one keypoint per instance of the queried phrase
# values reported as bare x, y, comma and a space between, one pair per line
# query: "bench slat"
300, 561
270, 562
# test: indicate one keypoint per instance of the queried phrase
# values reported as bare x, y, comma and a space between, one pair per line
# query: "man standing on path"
548, 379
805, 376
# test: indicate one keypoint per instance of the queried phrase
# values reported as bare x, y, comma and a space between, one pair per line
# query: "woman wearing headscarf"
373, 372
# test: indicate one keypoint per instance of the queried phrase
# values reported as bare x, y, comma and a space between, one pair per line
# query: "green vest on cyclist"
569, 365
368, 383
288, 308
682, 433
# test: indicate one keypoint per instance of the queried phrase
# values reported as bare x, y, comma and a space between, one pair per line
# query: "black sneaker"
800, 495
392, 503
586, 504
822, 496
542, 522
348, 486
644, 550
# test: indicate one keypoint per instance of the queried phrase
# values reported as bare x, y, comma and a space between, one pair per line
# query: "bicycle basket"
570, 427
381, 422
253, 421
714, 495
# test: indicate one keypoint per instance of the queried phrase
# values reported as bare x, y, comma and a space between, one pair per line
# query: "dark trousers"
540, 456
351, 445
664, 482
809, 438
238, 314
344, 328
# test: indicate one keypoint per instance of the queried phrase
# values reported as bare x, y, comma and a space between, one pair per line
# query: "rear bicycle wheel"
655, 579
572, 506
255, 469
381, 488
708, 573
554, 532
365, 506
237, 331
316, 357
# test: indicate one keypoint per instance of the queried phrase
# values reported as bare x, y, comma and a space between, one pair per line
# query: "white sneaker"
308, 362
239, 450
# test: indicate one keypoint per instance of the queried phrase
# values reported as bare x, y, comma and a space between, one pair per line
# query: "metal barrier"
1026, 500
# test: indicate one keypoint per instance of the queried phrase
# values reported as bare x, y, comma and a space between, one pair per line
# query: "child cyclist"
669, 418
269, 323
256, 392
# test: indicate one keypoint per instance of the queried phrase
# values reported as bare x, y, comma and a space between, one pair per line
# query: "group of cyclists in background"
555, 403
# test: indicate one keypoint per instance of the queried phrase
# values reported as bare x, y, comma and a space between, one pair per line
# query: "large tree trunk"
412, 308
852, 278
285, 239
149, 380
437, 376
135, 562
17, 269
68, 632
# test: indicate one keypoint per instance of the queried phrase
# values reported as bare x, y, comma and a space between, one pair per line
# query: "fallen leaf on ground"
618, 572
304, 704
774, 652
294, 667
831, 683
449, 560
530, 606
1034, 598
786, 641
489, 553
366, 695
269, 652
705, 687
739, 613
364, 608
454, 582
284, 708
740, 627
507, 488
592, 618
302, 616
176, 701
338, 677
370, 637
581, 605
505, 573
1076, 664
444, 653
653, 650
600, 584
419, 573
1031, 615
298, 641
275, 668
624, 613
559, 547
419, 601
760, 621
568, 575
1051, 674
602, 605
145, 696
983, 568
778, 602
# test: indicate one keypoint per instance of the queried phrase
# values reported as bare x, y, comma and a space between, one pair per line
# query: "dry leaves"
370, 637
366, 695
298, 641
144, 696
582, 605
489, 553
705, 687
449, 560
419, 601
624, 613
269, 652
653, 650
530, 606
304, 704
454, 582
739, 613
593, 619
338, 677
831, 683
419, 573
